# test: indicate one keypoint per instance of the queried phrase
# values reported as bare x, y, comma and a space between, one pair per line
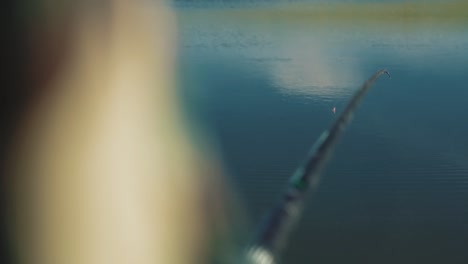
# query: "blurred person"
101, 165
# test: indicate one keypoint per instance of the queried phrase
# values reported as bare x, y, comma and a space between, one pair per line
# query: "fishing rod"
273, 234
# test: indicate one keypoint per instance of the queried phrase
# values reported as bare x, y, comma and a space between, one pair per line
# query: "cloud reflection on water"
315, 63
313, 69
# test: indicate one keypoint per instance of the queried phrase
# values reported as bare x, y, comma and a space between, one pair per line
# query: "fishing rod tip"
386, 72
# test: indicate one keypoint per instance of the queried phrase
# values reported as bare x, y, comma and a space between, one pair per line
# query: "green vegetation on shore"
433, 12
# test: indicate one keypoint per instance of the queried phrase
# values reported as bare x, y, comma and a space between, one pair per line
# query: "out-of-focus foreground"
98, 162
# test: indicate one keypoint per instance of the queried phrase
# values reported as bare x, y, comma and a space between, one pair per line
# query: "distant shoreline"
440, 13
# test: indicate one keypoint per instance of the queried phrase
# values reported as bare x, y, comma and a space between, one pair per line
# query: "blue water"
396, 190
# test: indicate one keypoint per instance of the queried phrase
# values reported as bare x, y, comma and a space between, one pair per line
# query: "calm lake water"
396, 190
